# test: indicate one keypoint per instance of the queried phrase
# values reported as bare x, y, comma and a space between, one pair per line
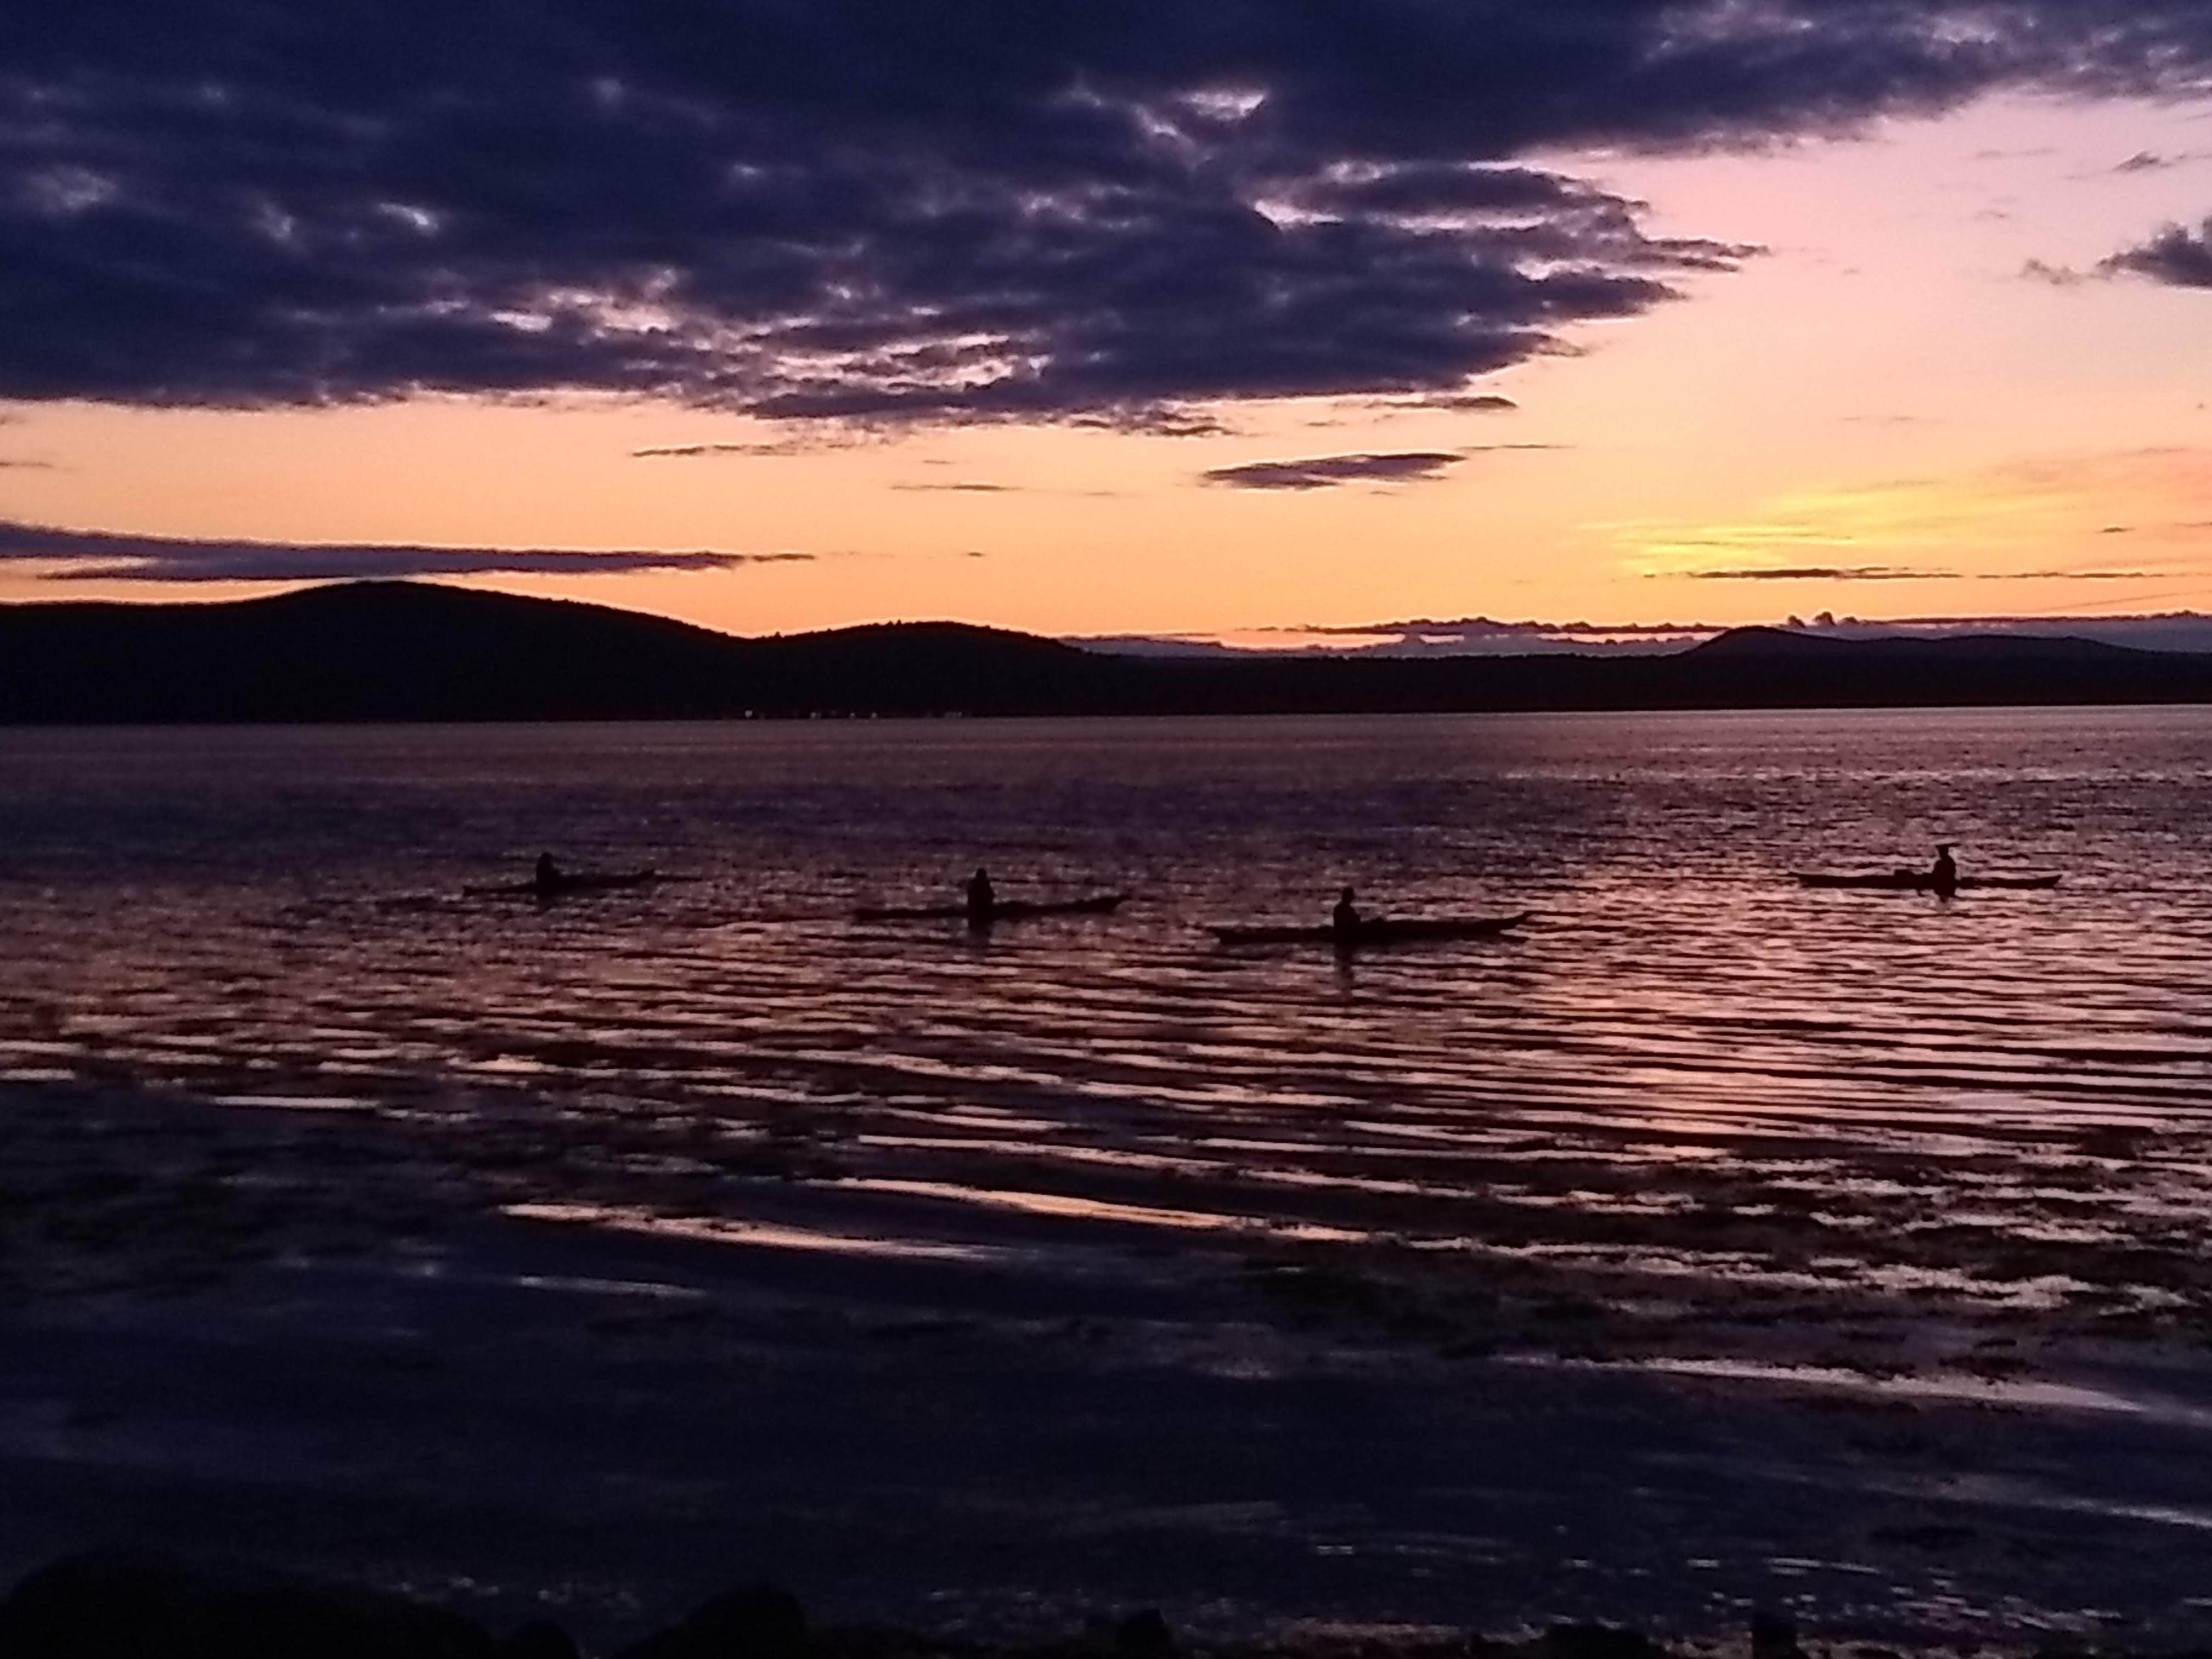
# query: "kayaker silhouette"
1345, 917
982, 902
1944, 876
548, 873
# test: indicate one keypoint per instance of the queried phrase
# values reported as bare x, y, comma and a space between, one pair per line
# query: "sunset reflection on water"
1685, 1071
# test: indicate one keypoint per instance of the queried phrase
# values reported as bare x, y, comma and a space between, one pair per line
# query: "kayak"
1098, 905
1374, 930
583, 881
1919, 881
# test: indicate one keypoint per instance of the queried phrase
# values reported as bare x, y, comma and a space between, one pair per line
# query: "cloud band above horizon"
107, 556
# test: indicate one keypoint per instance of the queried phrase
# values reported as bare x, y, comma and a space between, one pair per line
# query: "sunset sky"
1203, 317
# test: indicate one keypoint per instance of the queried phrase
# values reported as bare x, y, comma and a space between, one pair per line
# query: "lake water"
1687, 1085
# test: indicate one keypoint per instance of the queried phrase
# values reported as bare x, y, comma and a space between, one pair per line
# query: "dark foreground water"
1687, 1085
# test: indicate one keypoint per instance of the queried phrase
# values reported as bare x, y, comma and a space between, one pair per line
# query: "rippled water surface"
1685, 1070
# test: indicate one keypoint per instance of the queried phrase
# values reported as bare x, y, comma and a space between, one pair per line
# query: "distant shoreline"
369, 722
412, 653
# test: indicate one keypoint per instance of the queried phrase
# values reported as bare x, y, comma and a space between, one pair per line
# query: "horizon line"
1432, 636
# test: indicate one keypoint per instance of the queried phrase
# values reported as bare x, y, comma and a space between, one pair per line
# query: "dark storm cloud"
876, 211
2177, 257
1326, 471
104, 556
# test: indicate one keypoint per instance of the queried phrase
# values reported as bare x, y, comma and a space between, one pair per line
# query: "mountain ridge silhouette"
413, 651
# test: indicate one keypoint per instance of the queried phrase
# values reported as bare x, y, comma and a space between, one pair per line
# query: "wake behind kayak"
1097, 904
571, 886
1920, 881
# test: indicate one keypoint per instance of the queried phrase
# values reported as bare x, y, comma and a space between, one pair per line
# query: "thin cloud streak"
775, 446
1811, 572
110, 556
1330, 471
1483, 402
1878, 573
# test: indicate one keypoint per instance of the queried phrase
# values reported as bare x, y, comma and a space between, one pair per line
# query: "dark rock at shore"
1774, 1638
1144, 1635
1599, 1642
539, 1639
123, 1605
757, 1622
131, 1605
